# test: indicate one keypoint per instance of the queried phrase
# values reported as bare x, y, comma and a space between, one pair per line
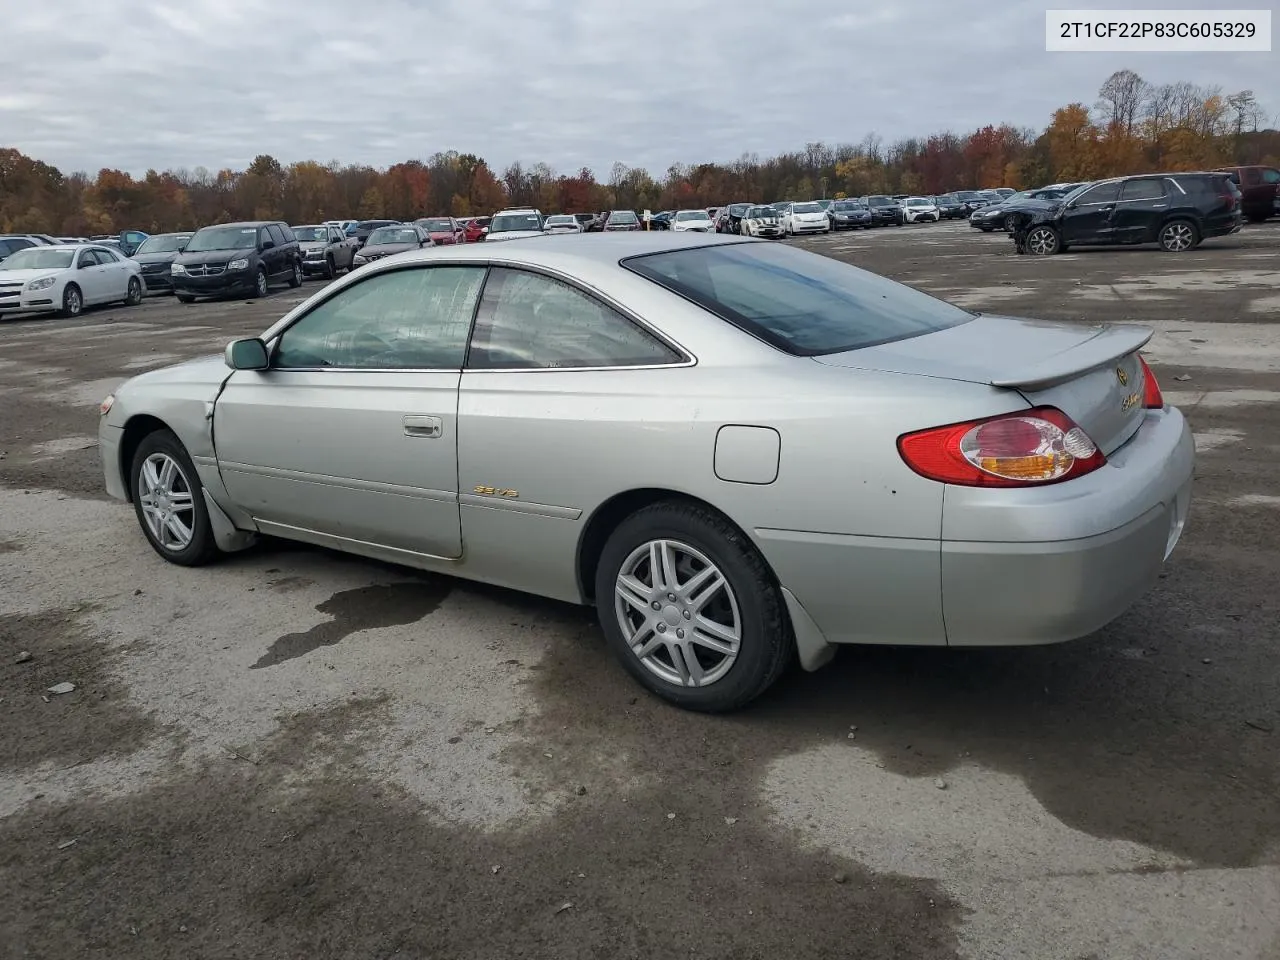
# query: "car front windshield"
761, 213
623, 216
515, 221
800, 302
845, 206
311, 234
918, 202
166, 243
880, 201
561, 221
436, 226
223, 238
39, 258
692, 215
393, 235
806, 208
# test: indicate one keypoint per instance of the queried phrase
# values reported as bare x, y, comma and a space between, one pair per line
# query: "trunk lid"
1090, 373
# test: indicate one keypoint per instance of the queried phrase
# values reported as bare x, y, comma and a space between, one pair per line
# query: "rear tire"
1178, 236
260, 284
745, 635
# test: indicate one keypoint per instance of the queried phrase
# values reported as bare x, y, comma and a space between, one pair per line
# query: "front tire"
1042, 241
330, 269
295, 277
72, 302
168, 500
1178, 236
133, 296
691, 609
186, 298
260, 285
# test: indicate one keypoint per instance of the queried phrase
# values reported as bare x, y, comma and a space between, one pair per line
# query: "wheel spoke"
710, 587
166, 473
150, 478
181, 500
716, 631
633, 592
179, 530
691, 673
645, 642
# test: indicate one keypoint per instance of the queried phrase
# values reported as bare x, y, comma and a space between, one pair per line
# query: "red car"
476, 228
443, 230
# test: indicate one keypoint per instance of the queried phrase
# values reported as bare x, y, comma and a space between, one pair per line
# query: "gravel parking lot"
299, 754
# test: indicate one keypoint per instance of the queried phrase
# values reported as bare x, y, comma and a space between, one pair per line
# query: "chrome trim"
374, 486
550, 510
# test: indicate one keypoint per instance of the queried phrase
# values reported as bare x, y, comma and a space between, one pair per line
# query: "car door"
549, 371
1140, 210
115, 274
91, 277
1089, 218
351, 433
339, 249
277, 257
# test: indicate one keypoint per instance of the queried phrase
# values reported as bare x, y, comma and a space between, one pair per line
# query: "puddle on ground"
364, 608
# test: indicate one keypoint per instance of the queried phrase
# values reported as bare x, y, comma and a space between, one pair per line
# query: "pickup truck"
325, 250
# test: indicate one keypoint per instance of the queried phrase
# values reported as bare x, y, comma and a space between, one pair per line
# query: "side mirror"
267, 245
247, 354
1071, 205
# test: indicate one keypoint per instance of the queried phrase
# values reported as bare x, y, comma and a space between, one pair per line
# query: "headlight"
241, 264
177, 268
105, 406
359, 259
43, 283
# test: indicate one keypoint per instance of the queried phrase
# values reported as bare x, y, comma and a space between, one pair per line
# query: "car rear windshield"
311, 234
623, 216
393, 235
692, 215
515, 221
436, 226
802, 303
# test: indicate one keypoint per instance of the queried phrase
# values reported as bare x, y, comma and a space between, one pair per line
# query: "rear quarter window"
801, 303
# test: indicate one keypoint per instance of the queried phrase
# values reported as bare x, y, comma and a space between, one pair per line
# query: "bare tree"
1120, 100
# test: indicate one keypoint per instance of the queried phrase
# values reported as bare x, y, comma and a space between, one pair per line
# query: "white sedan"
806, 217
67, 278
920, 210
561, 223
697, 221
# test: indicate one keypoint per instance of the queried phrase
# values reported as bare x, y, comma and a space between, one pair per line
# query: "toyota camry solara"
739, 452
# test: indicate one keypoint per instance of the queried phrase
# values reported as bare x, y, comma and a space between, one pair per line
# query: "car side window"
334, 236
527, 320
1103, 193
86, 259
286, 231
411, 319
1142, 190
274, 233
1270, 176
104, 257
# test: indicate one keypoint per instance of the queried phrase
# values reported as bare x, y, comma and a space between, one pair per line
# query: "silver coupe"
739, 452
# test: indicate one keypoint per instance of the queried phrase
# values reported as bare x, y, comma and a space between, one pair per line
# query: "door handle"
427, 428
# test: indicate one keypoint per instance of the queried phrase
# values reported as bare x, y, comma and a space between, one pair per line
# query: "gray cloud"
140, 83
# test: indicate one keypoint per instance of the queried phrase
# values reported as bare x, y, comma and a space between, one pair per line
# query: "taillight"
1028, 448
1152, 398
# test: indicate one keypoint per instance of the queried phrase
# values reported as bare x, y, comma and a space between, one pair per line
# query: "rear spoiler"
1107, 345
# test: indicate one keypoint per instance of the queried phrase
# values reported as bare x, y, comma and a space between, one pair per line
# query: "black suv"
237, 258
884, 210
1175, 210
729, 220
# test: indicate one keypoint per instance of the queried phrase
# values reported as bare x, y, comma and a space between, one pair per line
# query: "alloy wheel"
1042, 241
678, 613
164, 493
1178, 237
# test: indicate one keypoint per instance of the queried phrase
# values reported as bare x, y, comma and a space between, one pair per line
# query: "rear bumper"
1057, 563
1013, 567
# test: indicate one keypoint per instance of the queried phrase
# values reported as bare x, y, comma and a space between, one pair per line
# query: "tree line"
1132, 127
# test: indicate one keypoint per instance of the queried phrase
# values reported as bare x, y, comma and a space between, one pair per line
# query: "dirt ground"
298, 754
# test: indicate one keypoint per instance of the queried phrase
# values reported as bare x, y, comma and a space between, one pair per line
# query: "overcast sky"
134, 84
